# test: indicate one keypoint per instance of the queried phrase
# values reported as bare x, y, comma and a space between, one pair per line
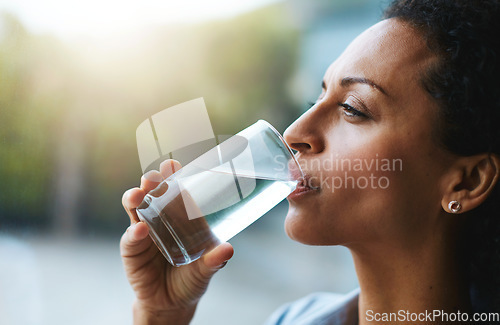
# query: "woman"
422, 88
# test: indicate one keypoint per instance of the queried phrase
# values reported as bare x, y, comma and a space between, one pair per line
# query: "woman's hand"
164, 294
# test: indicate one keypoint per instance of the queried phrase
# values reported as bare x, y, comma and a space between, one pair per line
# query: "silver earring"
454, 206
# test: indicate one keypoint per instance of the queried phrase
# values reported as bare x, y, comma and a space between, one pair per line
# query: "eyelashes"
348, 110
351, 111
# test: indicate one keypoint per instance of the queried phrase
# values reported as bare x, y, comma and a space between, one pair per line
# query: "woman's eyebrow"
352, 80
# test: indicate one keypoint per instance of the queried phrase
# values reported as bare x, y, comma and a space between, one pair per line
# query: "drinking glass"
220, 193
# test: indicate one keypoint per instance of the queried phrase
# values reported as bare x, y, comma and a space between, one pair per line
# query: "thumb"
135, 240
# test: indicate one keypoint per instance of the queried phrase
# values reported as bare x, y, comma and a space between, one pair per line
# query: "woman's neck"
419, 279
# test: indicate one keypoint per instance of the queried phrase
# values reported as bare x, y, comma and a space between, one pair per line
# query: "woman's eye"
351, 111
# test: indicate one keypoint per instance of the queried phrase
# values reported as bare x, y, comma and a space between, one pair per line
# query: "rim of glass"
270, 126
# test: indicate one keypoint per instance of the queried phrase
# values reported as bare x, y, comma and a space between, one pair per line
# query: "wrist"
147, 316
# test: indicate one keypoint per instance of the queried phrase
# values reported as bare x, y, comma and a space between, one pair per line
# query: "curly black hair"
466, 84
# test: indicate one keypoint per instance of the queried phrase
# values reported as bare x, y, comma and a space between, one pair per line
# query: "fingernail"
153, 176
131, 227
222, 265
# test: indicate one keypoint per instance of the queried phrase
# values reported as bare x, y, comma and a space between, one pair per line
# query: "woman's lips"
303, 188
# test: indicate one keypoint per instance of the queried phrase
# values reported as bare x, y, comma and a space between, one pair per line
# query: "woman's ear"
471, 180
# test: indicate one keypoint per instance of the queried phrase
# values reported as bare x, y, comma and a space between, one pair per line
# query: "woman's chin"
305, 229
299, 229
291, 224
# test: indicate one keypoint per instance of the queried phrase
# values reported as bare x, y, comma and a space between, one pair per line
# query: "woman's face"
369, 146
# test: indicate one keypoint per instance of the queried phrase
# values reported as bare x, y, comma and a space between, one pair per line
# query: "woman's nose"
304, 134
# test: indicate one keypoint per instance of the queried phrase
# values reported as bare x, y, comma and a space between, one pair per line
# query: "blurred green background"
69, 109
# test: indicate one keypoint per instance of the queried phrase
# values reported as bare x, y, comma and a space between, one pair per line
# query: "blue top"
319, 309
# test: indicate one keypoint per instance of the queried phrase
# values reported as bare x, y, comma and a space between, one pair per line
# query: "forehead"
391, 53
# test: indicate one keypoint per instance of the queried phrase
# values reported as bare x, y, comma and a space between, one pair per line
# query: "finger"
131, 200
150, 180
168, 167
135, 240
217, 258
